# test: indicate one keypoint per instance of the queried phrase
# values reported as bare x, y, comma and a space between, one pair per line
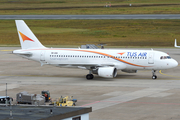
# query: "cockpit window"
165, 57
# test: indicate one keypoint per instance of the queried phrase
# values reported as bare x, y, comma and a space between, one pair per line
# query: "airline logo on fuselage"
24, 37
122, 53
134, 54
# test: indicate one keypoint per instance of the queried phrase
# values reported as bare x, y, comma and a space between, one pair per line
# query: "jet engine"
107, 72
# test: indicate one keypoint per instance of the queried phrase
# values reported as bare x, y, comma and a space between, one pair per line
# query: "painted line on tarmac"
57, 76
10, 86
6, 50
129, 102
168, 75
61, 76
14, 61
91, 103
124, 98
39, 76
26, 75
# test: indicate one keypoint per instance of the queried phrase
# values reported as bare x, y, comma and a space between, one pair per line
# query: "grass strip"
159, 33
37, 7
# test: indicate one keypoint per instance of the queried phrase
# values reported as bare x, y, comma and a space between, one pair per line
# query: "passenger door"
151, 58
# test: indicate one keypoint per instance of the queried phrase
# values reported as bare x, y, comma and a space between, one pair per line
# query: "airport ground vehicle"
34, 99
65, 101
3, 99
46, 94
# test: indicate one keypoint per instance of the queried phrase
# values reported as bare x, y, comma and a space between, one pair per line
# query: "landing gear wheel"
154, 74
89, 76
92, 76
154, 77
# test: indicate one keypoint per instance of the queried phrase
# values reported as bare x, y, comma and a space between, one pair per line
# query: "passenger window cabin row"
85, 56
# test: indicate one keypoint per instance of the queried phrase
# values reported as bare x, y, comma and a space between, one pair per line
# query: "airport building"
17, 112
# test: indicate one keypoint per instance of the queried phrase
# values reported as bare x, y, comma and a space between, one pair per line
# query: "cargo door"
151, 58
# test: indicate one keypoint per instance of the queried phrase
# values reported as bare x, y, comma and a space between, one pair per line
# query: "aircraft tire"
154, 77
89, 76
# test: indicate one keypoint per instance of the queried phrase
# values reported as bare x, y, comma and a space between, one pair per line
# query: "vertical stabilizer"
27, 39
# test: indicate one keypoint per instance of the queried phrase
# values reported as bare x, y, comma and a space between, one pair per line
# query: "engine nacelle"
129, 71
107, 72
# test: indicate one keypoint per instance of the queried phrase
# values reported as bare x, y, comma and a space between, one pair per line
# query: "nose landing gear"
154, 74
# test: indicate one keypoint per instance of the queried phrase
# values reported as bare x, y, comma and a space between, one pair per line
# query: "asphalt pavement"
134, 16
129, 96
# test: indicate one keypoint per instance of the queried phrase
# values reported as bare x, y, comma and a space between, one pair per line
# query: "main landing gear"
89, 76
154, 74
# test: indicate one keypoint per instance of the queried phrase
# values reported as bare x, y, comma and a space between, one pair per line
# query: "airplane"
175, 44
103, 62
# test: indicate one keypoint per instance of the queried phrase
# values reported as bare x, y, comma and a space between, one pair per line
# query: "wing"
85, 66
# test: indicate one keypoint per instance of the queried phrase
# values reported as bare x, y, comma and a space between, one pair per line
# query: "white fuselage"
120, 59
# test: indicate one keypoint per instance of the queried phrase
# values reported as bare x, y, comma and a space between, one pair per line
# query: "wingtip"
175, 44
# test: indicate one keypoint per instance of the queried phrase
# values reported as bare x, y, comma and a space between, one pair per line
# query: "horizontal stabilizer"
25, 54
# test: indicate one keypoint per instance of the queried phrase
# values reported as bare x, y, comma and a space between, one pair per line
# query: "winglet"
175, 44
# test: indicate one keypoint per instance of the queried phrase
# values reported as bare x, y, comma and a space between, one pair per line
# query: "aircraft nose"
174, 63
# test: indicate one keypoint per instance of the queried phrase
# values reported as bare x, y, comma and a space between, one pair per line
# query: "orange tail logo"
24, 37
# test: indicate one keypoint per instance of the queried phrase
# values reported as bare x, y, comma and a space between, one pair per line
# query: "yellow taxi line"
6, 50
167, 74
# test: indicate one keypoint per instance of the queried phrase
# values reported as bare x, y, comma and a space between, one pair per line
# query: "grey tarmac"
127, 97
95, 17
